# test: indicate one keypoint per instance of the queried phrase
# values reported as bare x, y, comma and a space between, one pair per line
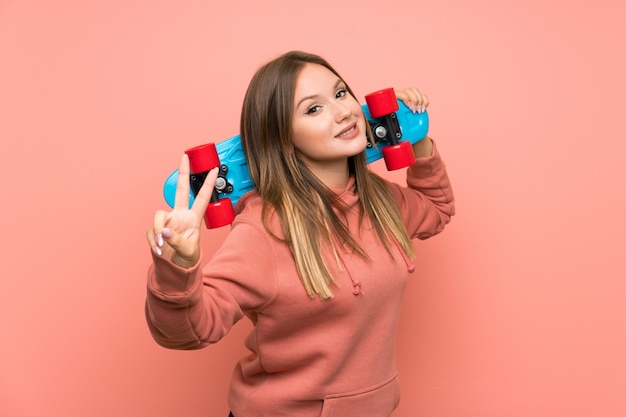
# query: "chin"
362, 145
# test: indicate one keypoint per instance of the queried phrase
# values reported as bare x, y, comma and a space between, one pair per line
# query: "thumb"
186, 252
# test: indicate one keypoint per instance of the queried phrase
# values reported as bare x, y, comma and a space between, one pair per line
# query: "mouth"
348, 132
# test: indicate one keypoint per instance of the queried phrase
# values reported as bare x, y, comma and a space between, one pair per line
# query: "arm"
427, 205
187, 308
190, 308
423, 148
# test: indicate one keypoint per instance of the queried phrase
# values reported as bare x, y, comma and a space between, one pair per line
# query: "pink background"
518, 309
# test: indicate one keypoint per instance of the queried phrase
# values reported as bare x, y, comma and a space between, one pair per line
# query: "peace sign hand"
175, 235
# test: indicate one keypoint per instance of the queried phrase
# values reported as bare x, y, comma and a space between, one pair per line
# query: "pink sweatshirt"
309, 357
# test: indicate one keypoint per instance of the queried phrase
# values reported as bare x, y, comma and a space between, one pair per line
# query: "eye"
313, 109
342, 92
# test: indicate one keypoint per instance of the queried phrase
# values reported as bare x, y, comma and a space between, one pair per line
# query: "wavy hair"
310, 215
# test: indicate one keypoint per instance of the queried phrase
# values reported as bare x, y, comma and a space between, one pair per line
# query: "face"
328, 122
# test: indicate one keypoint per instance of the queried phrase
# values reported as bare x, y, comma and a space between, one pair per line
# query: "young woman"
317, 257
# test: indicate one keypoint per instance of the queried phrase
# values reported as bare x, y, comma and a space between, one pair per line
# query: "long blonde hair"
309, 212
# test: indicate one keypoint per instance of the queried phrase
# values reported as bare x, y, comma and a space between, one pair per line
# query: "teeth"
346, 132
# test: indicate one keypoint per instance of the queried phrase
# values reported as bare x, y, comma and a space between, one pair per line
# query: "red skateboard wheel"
398, 156
381, 103
219, 213
203, 158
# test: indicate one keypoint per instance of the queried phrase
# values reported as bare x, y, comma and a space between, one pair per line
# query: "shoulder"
249, 211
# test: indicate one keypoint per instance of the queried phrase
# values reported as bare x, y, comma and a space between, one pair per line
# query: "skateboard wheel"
398, 156
381, 103
203, 158
219, 213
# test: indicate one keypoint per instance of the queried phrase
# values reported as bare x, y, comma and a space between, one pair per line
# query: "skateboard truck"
202, 159
383, 105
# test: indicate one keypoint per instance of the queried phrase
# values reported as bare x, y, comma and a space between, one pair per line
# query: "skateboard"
394, 127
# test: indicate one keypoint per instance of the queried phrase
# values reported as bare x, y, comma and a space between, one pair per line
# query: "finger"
181, 200
409, 97
155, 241
414, 95
422, 99
425, 100
417, 96
151, 238
159, 221
203, 198
153, 235
403, 95
187, 252
414, 99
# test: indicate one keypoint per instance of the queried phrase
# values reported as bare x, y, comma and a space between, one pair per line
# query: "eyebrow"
339, 81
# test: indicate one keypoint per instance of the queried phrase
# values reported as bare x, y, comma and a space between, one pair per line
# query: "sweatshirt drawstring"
409, 265
356, 284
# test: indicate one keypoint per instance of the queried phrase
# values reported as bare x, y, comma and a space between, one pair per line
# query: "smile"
348, 132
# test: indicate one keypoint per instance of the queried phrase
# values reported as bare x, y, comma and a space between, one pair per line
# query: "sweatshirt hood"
348, 194
349, 198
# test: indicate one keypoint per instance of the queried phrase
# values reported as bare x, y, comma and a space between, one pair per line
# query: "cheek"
359, 112
307, 134
298, 136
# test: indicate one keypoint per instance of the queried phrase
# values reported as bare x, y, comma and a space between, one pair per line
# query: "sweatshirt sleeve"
427, 205
190, 308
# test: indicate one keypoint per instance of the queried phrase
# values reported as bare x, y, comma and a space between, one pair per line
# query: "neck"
334, 175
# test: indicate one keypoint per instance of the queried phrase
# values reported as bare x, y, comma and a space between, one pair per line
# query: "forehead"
314, 79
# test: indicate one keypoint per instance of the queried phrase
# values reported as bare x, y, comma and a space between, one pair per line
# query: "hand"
414, 99
417, 102
175, 235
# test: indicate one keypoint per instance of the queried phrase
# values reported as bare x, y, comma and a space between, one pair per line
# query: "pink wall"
519, 307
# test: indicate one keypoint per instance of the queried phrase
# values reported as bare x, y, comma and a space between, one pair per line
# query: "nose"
342, 111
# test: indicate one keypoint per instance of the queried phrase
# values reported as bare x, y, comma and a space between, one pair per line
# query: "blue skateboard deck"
235, 180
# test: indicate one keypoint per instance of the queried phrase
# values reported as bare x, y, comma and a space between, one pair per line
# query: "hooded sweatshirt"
308, 357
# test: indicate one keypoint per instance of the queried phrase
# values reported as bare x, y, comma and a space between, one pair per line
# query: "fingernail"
157, 250
159, 240
167, 233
